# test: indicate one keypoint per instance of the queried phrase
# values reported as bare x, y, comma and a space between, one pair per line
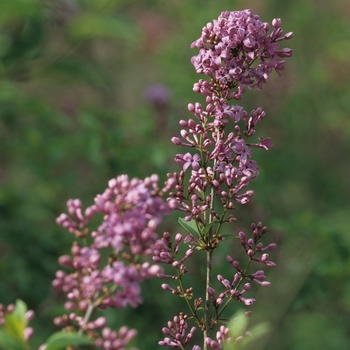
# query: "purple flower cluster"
231, 288
236, 51
132, 210
176, 332
112, 340
222, 337
224, 161
168, 252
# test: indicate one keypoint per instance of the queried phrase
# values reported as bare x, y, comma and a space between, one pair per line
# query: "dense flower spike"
236, 51
132, 210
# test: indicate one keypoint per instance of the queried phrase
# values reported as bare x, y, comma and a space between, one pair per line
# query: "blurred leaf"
9, 342
239, 327
237, 324
15, 322
61, 340
24, 44
91, 26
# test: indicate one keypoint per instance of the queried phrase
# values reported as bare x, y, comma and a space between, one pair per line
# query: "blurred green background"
90, 89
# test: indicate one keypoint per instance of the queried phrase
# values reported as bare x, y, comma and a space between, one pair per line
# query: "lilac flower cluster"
132, 210
176, 332
168, 252
235, 51
222, 337
223, 162
115, 340
231, 288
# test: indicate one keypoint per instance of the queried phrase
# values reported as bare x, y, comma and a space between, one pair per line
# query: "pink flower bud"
28, 332
176, 141
166, 331
191, 107
277, 22
247, 287
178, 238
30, 314
100, 322
211, 291
229, 259
166, 287
184, 133
70, 305
264, 257
219, 301
250, 253
272, 246
65, 260
249, 301
10, 308
242, 236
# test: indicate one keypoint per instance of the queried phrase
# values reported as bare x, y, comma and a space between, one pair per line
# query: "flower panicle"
237, 52
131, 210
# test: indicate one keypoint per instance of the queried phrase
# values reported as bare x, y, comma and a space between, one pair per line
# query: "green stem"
187, 301
89, 312
207, 323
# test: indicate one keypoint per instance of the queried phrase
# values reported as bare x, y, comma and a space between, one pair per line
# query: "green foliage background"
73, 76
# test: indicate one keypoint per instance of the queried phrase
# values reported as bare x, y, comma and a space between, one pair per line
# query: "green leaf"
20, 311
15, 322
61, 340
238, 325
9, 342
189, 226
206, 228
